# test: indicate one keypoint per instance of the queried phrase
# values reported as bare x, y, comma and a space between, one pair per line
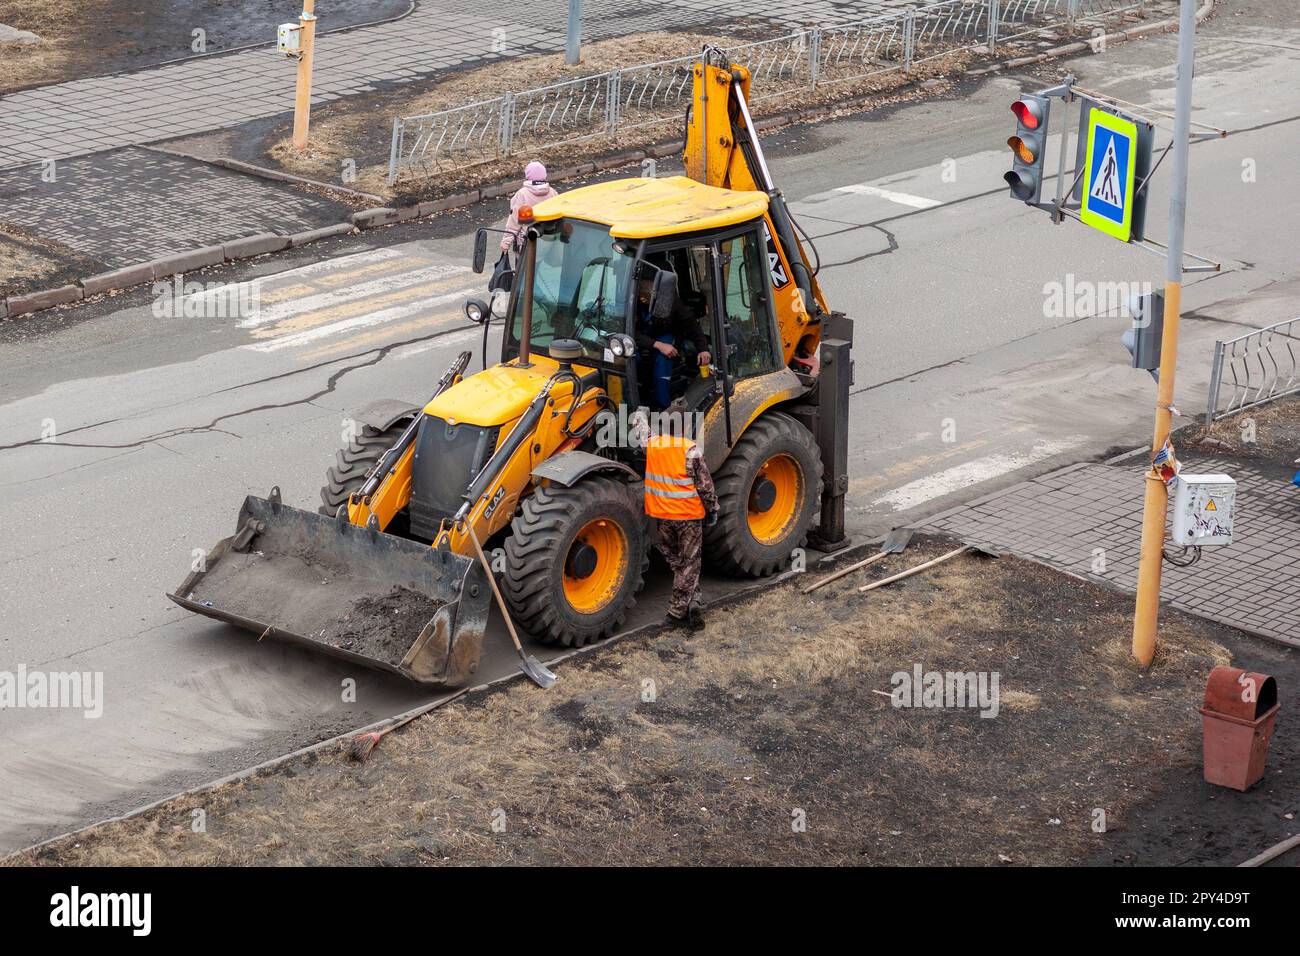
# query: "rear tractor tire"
769, 490
575, 560
353, 462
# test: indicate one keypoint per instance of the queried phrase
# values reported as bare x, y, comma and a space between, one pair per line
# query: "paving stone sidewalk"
136, 204
1063, 518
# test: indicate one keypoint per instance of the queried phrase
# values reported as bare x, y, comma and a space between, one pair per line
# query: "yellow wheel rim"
780, 482
596, 566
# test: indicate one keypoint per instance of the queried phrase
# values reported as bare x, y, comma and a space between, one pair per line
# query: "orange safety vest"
669, 488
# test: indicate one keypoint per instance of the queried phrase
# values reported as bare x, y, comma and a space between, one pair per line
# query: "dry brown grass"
775, 706
1269, 431
28, 263
59, 24
19, 259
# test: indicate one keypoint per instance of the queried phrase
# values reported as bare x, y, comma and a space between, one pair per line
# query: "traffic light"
1143, 339
1028, 147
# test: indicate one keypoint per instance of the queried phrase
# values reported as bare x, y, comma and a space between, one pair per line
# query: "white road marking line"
359, 322
903, 199
362, 290
972, 473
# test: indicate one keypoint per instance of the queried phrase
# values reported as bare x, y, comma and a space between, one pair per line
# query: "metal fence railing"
1254, 368
612, 103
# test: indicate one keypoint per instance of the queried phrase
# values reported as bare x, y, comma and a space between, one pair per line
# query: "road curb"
251, 246
251, 169
184, 262
117, 279
325, 232
45, 299
386, 215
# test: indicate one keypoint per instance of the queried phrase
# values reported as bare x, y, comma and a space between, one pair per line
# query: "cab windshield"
580, 287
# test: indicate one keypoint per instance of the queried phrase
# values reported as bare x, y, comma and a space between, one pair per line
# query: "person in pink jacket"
534, 190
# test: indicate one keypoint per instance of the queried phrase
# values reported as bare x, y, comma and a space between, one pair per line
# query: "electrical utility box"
1203, 509
287, 37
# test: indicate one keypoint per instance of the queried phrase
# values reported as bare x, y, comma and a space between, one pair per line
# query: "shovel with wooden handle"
894, 543
530, 665
916, 570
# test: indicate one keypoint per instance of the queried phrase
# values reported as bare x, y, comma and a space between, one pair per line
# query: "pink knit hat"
535, 172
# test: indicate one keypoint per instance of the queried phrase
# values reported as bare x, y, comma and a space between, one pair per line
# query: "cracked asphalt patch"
331, 383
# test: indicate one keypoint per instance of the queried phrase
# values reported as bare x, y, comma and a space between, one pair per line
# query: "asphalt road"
965, 383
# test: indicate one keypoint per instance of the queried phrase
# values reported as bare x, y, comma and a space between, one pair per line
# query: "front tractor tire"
769, 490
575, 560
353, 462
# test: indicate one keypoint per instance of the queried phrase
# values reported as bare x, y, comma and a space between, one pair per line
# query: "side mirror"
663, 296
480, 249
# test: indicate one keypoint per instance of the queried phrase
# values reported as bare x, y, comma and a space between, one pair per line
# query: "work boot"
675, 623
695, 616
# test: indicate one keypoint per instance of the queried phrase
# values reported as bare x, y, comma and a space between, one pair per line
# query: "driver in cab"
659, 340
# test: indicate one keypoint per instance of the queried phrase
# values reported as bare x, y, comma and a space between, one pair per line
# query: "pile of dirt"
769, 737
384, 626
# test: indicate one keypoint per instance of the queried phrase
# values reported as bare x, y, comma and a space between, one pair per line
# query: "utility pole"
302, 98
573, 35
1147, 611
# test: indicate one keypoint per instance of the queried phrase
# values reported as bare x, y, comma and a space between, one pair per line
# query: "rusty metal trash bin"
1237, 721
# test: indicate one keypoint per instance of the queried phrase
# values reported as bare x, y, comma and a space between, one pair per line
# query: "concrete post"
573, 34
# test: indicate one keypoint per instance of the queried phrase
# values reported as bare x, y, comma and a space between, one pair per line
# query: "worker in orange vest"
679, 493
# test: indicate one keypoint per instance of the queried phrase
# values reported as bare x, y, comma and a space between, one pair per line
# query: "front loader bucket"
356, 594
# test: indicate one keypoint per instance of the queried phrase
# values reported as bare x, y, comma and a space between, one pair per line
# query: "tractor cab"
627, 267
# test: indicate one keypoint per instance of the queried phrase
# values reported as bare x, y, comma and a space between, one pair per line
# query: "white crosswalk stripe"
370, 320
351, 293
350, 303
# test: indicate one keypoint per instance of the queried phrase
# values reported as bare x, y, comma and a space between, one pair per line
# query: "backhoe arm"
722, 149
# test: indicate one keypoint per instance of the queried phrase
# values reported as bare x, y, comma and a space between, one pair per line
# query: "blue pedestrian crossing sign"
1109, 169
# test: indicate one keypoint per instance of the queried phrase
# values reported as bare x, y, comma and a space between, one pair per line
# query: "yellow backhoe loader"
530, 456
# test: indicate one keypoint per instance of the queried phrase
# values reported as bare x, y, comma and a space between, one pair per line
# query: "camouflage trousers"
682, 544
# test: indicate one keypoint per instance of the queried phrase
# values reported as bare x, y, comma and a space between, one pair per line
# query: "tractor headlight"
622, 346
475, 311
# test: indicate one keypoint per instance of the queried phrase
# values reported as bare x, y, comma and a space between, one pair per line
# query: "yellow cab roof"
646, 208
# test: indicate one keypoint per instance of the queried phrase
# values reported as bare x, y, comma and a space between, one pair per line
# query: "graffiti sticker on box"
1203, 510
